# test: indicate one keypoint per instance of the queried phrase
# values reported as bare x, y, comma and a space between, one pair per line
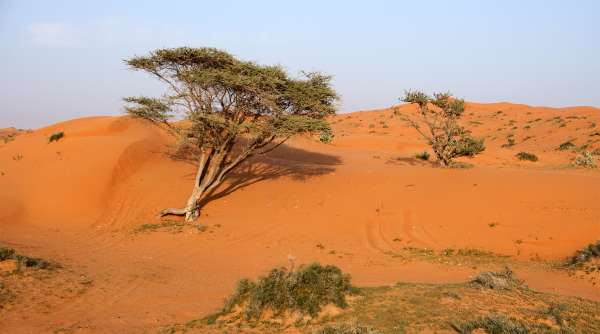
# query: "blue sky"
63, 59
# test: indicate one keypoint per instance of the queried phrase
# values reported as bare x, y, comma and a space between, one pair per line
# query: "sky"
64, 59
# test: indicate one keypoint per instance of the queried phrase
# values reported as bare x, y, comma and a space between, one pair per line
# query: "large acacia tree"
224, 110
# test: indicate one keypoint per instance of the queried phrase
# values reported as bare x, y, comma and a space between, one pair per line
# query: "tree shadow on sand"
285, 161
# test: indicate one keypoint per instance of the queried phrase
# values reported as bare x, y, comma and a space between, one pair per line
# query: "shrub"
585, 159
25, 261
568, 145
584, 255
326, 137
503, 280
470, 147
422, 155
492, 324
510, 141
305, 291
596, 151
527, 156
56, 136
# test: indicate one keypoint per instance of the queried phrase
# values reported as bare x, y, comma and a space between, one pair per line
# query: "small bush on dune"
56, 136
586, 254
304, 291
422, 155
568, 145
527, 156
503, 280
25, 261
493, 324
585, 159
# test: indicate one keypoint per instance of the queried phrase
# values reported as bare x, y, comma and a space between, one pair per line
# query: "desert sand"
362, 202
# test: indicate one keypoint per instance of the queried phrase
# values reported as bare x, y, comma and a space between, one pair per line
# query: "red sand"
78, 200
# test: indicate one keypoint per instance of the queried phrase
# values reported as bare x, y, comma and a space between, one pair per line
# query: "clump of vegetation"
286, 291
441, 114
56, 136
493, 324
568, 145
25, 261
584, 255
527, 156
228, 103
346, 329
423, 155
504, 280
510, 141
585, 159
596, 151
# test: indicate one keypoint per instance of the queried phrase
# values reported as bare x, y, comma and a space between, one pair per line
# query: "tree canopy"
233, 108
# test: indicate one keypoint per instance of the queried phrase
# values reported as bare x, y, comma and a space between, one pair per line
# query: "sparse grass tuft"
56, 136
305, 291
346, 329
423, 155
527, 156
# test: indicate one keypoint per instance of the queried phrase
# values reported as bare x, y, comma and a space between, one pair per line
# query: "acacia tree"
441, 114
224, 110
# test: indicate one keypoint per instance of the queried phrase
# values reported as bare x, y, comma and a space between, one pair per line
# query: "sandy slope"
354, 203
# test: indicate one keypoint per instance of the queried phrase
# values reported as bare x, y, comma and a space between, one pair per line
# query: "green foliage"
469, 147
492, 324
568, 145
305, 290
447, 137
225, 103
56, 136
346, 329
585, 159
527, 156
423, 155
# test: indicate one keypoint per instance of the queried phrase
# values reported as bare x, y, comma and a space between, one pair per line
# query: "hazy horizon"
63, 59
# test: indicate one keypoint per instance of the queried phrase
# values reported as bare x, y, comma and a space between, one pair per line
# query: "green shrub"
469, 147
568, 145
492, 324
585, 159
56, 136
326, 136
305, 290
527, 156
423, 155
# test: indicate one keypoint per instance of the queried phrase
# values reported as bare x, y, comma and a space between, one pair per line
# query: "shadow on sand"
285, 161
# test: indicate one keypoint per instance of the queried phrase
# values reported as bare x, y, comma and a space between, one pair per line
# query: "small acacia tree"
440, 114
228, 110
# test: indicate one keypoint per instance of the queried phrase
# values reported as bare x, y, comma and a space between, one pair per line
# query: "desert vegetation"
440, 114
527, 156
234, 109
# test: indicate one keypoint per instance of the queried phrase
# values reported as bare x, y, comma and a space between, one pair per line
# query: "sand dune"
357, 203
